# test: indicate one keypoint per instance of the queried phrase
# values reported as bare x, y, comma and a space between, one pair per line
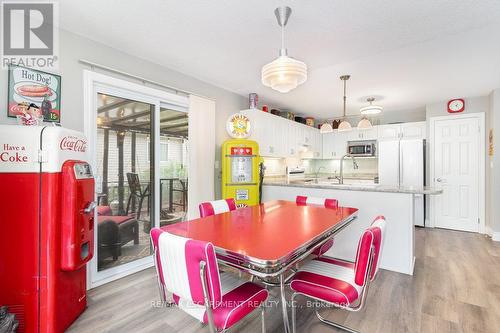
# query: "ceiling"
406, 53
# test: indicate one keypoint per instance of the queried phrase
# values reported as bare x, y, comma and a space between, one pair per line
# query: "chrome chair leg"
263, 317
284, 304
334, 324
294, 320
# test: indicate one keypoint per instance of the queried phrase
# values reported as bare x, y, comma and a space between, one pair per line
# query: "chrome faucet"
354, 164
317, 171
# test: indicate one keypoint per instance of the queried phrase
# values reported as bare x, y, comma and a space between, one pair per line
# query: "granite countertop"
331, 185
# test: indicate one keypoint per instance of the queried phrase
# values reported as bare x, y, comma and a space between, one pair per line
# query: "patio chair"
136, 192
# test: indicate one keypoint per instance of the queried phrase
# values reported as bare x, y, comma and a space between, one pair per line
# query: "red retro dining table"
267, 240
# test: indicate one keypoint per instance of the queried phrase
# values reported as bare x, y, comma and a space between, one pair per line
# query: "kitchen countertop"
330, 185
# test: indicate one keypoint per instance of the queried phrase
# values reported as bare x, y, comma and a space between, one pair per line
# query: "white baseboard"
495, 236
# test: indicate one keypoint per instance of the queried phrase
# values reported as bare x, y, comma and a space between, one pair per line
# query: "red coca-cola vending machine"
46, 225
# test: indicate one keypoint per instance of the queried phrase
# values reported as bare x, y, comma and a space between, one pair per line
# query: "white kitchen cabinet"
389, 131
334, 144
363, 134
328, 145
340, 143
265, 135
316, 148
280, 137
412, 130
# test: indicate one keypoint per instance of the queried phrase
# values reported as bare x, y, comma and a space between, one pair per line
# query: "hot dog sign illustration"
34, 94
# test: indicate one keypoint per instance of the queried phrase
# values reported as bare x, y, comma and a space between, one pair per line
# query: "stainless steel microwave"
362, 148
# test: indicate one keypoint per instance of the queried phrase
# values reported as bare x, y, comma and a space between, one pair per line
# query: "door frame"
481, 160
94, 83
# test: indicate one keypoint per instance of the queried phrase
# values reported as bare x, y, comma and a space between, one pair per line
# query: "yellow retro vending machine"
242, 167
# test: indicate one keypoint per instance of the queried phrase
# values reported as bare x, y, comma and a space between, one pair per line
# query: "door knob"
440, 180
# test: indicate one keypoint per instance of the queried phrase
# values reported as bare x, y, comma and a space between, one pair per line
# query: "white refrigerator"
402, 163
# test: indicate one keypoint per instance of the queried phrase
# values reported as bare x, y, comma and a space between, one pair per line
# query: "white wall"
493, 185
74, 47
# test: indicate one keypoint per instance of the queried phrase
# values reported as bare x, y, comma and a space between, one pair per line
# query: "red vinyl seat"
118, 219
327, 203
338, 282
219, 300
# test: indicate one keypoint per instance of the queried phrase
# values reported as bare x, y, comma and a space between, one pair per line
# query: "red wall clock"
456, 105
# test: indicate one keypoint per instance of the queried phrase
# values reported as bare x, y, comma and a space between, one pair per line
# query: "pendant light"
365, 124
326, 128
284, 73
344, 125
371, 109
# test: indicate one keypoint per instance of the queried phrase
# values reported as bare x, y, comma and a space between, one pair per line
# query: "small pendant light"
365, 124
344, 125
326, 128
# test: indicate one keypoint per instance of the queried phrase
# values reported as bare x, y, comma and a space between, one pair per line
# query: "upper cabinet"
417, 130
335, 144
363, 134
389, 131
280, 137
413, 130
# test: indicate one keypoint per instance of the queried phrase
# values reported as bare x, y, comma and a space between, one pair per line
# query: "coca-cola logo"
73, 143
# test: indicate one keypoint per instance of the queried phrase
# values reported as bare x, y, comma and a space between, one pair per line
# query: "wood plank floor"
456, 288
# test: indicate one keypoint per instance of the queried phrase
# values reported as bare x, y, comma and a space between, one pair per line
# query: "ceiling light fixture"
326, 128
284, 73
371, 109
345, 125
365, 124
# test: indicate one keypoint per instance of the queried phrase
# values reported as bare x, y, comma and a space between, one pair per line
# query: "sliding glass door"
140, 153
173, 172
125, 180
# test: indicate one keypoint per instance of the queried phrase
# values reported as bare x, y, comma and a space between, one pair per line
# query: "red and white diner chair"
341, 283
327, 203
188, 269
210, 208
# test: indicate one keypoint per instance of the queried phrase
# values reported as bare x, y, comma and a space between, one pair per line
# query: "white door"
456, 170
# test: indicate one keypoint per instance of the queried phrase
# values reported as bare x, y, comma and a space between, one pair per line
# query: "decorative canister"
336, 123
310, 121
253, 100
